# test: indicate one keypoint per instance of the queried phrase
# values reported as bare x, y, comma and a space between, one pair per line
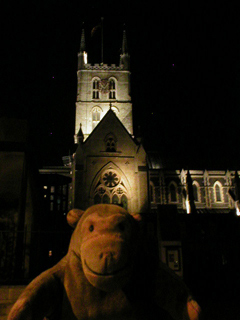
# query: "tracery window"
111, 189
110, 179
111, 143
112, 89
95, 89
96, 116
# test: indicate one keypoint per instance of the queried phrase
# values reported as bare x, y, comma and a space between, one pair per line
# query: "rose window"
110, 179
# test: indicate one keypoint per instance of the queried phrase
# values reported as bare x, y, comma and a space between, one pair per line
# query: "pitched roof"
108, 120
154, 161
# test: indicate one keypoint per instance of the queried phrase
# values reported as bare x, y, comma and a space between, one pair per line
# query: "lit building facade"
110, 166
212, 190
100, 85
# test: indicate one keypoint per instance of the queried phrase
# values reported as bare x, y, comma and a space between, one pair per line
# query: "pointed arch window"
196, 191
218, 191
110, 143
173, 192
96, 116
95, 88
112, 89
124, 202
106, 199
115, 199
97, 199
111, 189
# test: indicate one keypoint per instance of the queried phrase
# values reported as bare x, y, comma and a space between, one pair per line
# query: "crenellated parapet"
101, 66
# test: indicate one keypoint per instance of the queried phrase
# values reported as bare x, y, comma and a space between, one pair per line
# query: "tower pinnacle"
124, 42
80, 136
82, 55
82, 42
124, 56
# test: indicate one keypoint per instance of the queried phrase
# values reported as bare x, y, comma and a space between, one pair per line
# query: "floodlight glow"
85, 57
237, 208
188, 207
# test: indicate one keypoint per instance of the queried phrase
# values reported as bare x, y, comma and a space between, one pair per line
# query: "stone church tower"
109, 165
100, 85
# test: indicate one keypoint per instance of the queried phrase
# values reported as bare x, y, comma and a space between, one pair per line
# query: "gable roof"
109, 120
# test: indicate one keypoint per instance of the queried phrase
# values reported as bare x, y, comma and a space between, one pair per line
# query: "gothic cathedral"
109, 165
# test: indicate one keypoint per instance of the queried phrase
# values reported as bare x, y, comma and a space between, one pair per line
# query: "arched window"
97, 199
112, 89
124, 202
111, 189
173, 192
115, 199
110, 143
95, 89
105, 199
196, 191
96, 116
217, 191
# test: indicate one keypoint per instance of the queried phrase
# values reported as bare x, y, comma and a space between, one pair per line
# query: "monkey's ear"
73, 217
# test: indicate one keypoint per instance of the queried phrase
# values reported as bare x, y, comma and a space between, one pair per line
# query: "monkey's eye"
91, 228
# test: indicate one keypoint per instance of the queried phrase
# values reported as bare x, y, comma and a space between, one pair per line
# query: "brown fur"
105, 276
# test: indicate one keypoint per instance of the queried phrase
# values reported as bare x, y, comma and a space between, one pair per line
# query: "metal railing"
24, 255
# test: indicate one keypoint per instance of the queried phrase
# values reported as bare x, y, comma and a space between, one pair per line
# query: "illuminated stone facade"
211, 190
109, 166
100, 85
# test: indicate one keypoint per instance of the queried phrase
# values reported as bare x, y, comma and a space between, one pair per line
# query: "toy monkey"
105, 275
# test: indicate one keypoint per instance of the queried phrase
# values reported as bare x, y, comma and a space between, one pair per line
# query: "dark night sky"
189, 112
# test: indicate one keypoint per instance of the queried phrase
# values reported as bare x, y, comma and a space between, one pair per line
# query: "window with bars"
56, 197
